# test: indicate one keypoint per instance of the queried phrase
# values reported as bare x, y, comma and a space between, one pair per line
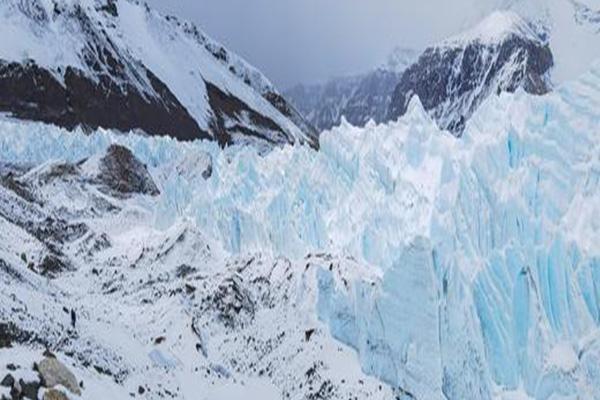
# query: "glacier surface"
484, 250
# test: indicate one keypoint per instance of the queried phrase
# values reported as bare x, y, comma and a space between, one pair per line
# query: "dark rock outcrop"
52, 266
285, 108
11, 334
453, 79
29, 91
7, 381
121, 172
231, 114
232, 302
29, 389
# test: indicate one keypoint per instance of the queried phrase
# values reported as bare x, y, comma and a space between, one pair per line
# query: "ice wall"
488, 244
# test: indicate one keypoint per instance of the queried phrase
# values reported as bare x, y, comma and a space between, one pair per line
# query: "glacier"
482, 252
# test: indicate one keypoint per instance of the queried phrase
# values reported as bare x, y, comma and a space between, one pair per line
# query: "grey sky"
295, 41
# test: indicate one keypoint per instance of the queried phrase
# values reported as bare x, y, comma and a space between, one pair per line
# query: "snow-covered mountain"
119, 64
525, 44
396, 262
571, 27
502, 53
357, 98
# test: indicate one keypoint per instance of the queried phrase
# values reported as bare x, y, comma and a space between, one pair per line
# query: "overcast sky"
295, 41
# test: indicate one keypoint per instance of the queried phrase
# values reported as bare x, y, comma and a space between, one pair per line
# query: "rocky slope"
118, 64
120, 309
358, 99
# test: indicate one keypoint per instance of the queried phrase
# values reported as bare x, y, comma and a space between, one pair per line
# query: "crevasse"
487, 246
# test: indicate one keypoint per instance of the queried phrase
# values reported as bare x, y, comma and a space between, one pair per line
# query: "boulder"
122, 173
54, 394
53, 373
29, 389
8, 381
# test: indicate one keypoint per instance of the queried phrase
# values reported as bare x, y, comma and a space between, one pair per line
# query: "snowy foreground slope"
397, 262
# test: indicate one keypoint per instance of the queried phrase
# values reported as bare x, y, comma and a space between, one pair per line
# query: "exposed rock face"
7, 381
122, 172
231, 116
281, 104
32, 92
54, 373
25, 387
358, 98
28, 389
453, 79
51, 266
233, 302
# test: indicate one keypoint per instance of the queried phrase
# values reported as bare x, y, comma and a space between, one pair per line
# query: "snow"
449, 268
574, 42
34, 38
563, 357
496, 27
253, 390
575, 46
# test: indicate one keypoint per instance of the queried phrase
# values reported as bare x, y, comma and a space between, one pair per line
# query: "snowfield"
396, 262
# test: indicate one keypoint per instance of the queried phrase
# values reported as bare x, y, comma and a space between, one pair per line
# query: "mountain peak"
501, 54
495, 28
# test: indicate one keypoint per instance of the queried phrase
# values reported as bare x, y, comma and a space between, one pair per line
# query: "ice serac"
120, 65
451, 268
502, 54
387, 341
514, 310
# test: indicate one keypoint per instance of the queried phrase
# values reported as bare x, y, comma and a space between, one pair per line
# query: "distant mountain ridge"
526, 44
452, 79
357, 98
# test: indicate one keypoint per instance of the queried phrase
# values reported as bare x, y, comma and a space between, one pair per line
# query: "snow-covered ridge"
235, 64
570, 27
159, 74
496, 27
